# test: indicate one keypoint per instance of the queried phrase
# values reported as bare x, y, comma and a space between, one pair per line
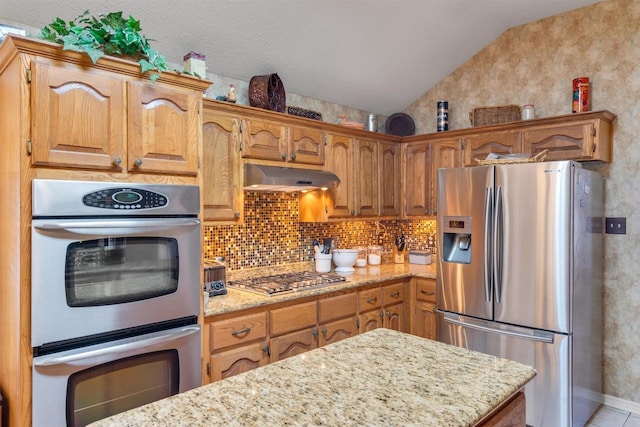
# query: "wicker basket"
484, 116
537, 158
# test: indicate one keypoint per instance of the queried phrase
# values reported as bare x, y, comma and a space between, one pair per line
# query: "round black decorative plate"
400, 124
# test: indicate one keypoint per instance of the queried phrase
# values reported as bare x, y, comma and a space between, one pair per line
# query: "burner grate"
286, 282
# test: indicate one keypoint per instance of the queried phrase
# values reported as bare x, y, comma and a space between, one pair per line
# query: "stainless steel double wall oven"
115, 297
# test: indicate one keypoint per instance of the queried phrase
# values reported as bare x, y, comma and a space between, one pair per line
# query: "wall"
535, 63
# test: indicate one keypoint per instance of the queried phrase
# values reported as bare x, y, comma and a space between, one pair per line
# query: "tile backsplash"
272, 233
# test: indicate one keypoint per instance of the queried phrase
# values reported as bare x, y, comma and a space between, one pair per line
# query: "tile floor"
613, 417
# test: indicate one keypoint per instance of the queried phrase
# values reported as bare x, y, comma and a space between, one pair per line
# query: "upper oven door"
91, 276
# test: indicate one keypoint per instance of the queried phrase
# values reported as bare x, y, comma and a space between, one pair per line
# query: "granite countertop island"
379, 378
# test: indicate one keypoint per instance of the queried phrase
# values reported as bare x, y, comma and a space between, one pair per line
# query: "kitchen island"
381, 377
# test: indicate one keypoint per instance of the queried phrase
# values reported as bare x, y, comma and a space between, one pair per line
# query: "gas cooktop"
286, 282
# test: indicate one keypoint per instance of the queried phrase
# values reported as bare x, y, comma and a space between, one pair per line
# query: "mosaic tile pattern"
536, 63
273, 235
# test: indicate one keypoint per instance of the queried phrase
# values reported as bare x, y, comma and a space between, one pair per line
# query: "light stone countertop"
379, 378
239, 300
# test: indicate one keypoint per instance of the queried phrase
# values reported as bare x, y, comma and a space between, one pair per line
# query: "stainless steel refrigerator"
520, 277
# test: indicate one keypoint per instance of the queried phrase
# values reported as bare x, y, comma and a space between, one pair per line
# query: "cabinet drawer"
426, 290
337, 307
370, 299
288, 319
227, 333
393, 293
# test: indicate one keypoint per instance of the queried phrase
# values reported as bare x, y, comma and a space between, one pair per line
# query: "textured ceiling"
375, 55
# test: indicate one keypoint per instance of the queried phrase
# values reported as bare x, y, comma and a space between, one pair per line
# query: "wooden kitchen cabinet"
222, 175
382, 307
339, 202
365, 188
417, 185
275, 141
337, 318
584, 140
477, 147
293, 330
237, 345
93, 119
424, 322
444, 154
389, 179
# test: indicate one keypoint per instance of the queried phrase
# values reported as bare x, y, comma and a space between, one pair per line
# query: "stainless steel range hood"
275, 178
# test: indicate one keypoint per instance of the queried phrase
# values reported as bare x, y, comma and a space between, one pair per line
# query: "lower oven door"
91, 276
77, 387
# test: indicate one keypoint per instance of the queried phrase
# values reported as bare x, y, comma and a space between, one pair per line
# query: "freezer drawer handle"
545, 339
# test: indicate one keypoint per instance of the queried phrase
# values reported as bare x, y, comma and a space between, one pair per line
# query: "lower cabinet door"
338, 330
371, 320
394, 317
232, 362
425, 320
294, 343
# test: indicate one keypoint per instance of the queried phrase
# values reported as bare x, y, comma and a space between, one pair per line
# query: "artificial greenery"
108, 34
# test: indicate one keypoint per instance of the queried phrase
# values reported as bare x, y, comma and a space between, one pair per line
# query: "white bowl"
345, 259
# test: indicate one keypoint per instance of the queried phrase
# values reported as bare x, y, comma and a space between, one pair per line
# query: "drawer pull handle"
372, 300
395, 295
423, 292
241, 331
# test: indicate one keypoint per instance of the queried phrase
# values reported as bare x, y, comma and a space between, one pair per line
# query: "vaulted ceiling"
375, 55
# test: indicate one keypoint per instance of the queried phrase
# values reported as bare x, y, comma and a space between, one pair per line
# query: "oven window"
114, 387
120, 270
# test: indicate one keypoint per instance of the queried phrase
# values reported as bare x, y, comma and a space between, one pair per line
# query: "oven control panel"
125, 199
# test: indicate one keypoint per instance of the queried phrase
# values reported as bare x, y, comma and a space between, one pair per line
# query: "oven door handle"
129, 346
94, 225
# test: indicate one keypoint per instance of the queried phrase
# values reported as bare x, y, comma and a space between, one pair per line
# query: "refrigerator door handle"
488, 240
497, 244
540, 336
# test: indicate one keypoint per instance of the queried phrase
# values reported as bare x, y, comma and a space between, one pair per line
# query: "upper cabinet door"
265, 140
78, 117
340, 161
477, 147
418, 179
389, 163
306, 145
164, 128
366, 178
222, 192
589, 140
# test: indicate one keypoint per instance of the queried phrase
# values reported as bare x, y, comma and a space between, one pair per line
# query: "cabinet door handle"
283, 156
293, 157
314, 332
117, 161
241, 331
236, 214
324, 331
372, 300
395, 294
138, 162
382, 314
423, 292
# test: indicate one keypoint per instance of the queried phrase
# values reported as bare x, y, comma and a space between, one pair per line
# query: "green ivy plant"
107, 34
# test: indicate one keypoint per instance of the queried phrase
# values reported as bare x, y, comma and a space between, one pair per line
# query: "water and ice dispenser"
456, 239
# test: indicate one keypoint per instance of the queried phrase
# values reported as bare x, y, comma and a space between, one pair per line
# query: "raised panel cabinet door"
389, 163
337, 330
444, 154
370, 320
77, 117
306, 145
264, 140
228, 363
477, 147
425, 320
293, 344
164, 129
563, 142
418, 179
340, 161
366, 178
394, 317
222, 190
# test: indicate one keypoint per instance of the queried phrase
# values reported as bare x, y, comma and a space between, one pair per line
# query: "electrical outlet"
616, 225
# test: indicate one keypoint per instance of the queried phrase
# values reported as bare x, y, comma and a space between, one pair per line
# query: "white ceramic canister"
528, 112
323, 263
